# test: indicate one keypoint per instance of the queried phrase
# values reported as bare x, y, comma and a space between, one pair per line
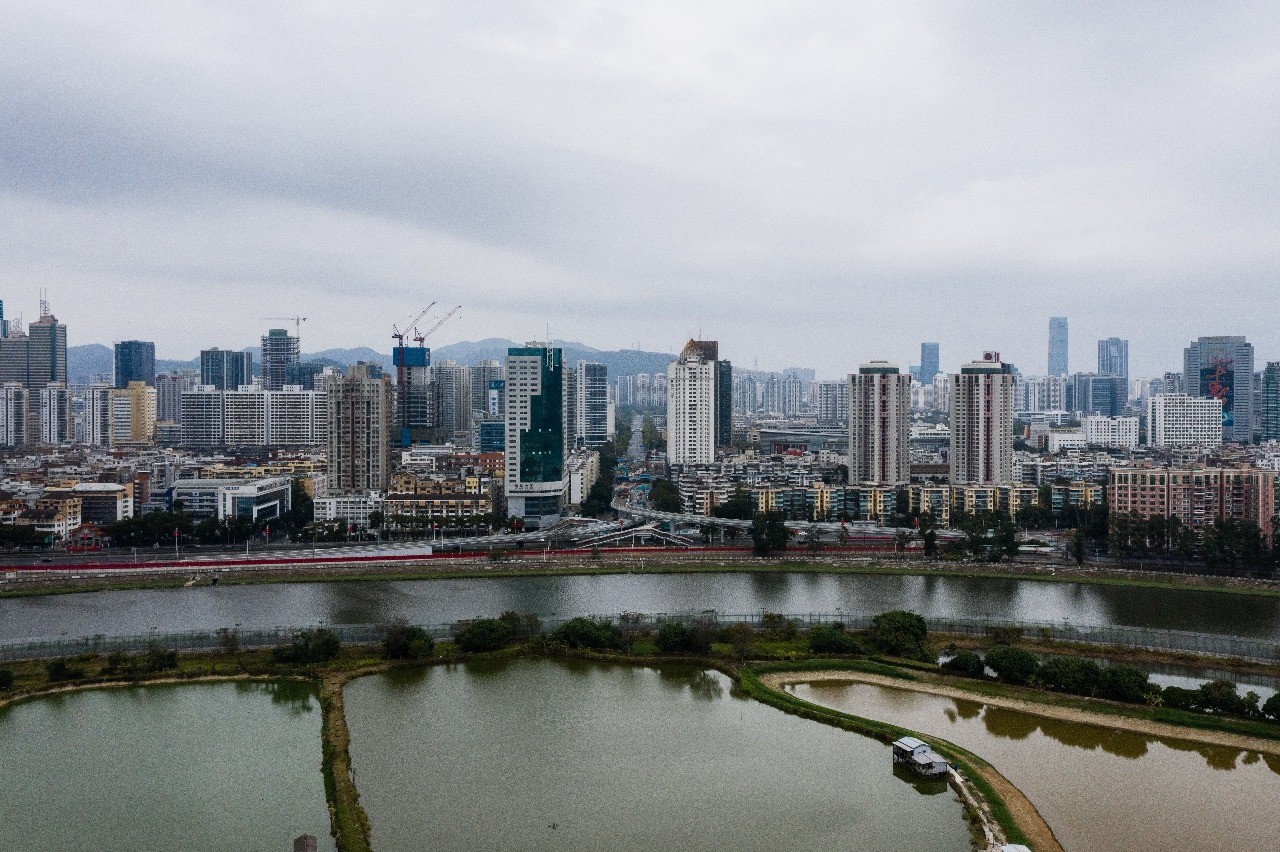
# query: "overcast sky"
809, 183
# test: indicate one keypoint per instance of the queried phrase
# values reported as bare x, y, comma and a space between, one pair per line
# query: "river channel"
442, 601
1098, 788
168, 768
571, 755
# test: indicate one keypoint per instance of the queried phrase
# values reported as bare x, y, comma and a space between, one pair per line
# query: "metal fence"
1239, 647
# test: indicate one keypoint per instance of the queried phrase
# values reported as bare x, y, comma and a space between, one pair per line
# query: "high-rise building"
1182, 420
415, 405
1222, 368
928, 362
982, 423
879, 425
833, 403
303, 374
13, 415
224, 369
481, 375
1113, 357
1271, 402
591, 403
37, 357
535, 479
451, 386
746, 394
55, 414
1100, 431
359, 430
169, 390
625, 392
133, 414
1173, 383
97, 415
279, 351
1057, 346
692, 393
792, 395
135, 362
1093, 394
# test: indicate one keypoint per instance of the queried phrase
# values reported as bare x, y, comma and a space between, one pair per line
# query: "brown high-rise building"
360, 408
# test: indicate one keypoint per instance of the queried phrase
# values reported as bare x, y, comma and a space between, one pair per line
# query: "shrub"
589, 633
404, 642
6, 679
487, 634
1270, 709
778, 626
1012, 665
1124, 683
1071, 674
158, 658
1220, 696
899, 633
521, 624
832, 639
965, 663
676, 638
117, 662
60, 670
1178, 698
308, 648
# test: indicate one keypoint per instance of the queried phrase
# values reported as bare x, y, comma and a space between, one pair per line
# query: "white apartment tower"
691, 407
879, 425
982, 423
1180, 420
56, 425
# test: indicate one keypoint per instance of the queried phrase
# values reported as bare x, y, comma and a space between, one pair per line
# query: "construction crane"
297, 323
421, 338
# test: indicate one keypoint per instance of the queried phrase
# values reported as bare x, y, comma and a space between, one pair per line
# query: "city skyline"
773, 171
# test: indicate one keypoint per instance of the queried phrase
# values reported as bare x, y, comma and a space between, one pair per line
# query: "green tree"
1070, 674
158, 658
590, 633
1012, 665
664, 496
1271, 708
403, 641
832, 639
6, 679
486, 634
965, 663
769, 533
676, 638
1124, 683
739, 506
60, 670
899, 633
1076, 545
309, 647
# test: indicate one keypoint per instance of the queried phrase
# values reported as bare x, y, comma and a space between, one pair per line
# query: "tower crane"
421, 338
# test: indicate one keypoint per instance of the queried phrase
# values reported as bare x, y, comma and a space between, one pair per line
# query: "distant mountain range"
93, 360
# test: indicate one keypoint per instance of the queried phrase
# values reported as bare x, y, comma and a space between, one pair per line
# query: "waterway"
440, 601
569, 755
170, 768
1098, 788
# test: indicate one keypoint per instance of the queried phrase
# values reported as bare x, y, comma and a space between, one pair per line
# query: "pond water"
441, 601
181, 768
569, 755
1098, 788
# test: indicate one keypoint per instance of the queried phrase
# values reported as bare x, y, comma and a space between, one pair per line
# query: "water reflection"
1098, 787
292, 695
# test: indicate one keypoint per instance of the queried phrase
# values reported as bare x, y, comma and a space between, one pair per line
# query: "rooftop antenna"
44, 302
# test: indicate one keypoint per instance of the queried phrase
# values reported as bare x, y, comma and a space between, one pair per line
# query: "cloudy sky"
810, 183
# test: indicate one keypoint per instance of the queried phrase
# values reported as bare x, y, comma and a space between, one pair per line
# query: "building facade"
225, 370
1113, 357
1221, 368
359, 407
535, 480
135, 361
691, 405
280, 354
982, 423
1057, 346
1181, 420
879, 425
